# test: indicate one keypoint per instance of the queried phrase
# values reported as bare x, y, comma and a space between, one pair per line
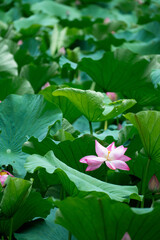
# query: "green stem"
62, 193
152, 200
105, 125
2, 238
91, 128
117, 119
106, 170
144, 182
11, 229
93, 86
69, 235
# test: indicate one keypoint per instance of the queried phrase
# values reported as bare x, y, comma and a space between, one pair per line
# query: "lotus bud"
62, 51
20, 42
154, 184
126, 236
107, 20
47, 84
112, 96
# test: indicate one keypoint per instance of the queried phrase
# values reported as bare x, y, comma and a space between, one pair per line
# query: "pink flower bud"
47, 84
107, 20
126, 236
62, 51
139, 2
119, 126
3, 176
112, 96
20, 42
77, 2
154, 184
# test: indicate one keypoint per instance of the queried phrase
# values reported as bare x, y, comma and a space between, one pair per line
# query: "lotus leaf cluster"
79, 119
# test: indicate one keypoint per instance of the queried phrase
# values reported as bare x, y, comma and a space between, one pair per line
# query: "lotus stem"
105, 125
69, 235
106, 170
11, 229
91, 128
62, 193
144, 182
93, 86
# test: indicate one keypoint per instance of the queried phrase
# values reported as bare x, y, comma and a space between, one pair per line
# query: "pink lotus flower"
47, 84
113, 157
112, 96
154, 184
3, 176
126, 236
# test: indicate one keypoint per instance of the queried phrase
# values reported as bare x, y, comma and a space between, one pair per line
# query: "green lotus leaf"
148, 126
14, 196
20, 118
118, 71
8, 66
43, 229
95, 106
14, 85
55, 9
69, 152
38, 75
36, 19
21, 205
106, 219
53, 171
70, 112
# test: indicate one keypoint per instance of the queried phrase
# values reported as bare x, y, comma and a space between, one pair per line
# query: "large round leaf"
75, 182
145, 96
38, 20
44, 229
14, 85
70, 112
14, 196
8, 66
126, 133
38, 75
95, 106
144, 48
148, 126
103, 219
21, 205
20, 118
69, 152
55, 9
118, 71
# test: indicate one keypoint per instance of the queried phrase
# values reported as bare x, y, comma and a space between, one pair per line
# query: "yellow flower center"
108, 155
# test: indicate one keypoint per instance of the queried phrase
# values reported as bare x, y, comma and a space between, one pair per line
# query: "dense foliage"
79, 90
